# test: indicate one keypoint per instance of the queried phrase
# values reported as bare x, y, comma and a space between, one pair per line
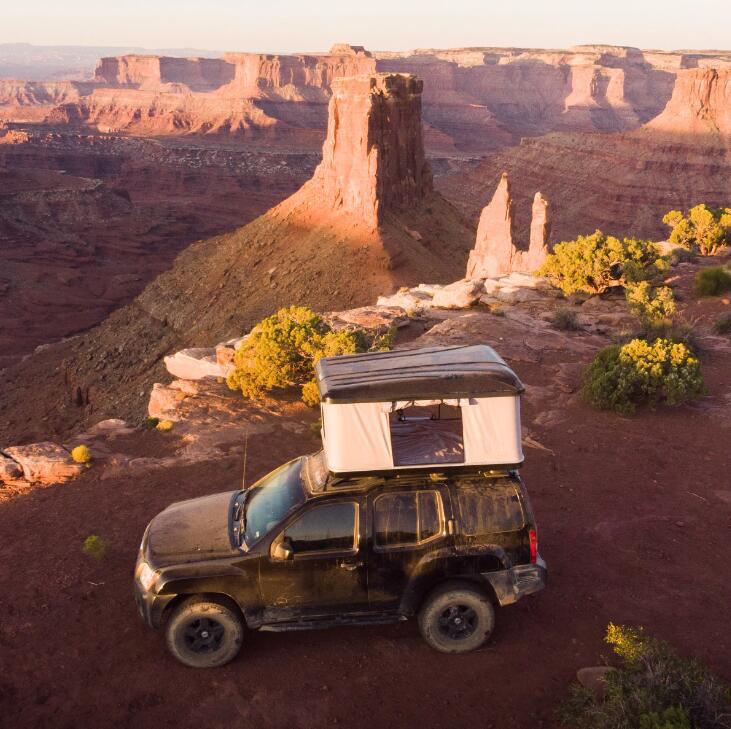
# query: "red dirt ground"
634, 515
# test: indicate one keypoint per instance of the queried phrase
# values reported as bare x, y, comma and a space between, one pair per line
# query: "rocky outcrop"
150, 71
495, 252
46, 463
373, 157
701, 104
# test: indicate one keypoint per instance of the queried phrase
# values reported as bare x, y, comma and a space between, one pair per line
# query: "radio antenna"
246, 451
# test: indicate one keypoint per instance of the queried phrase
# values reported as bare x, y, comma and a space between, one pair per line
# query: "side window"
489, 508
407, 518
329, 527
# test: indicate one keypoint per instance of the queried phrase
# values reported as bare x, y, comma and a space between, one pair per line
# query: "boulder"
459, 295
525, 280
429, 289
163, 402
10, 470
409, 301
491, 285
516, 295
110, 428
370, 318
194, 364
45, 462
595, 679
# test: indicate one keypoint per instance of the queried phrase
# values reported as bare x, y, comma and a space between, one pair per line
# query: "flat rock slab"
194, 364
458, 295
410, 301
371, 318
45, 462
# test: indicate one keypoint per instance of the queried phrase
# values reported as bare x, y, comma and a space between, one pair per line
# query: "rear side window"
407, 518
324, 528
486, 508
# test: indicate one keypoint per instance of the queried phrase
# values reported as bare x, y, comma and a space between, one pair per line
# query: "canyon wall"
474, 100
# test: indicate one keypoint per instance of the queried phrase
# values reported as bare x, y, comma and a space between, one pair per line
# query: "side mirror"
282, 549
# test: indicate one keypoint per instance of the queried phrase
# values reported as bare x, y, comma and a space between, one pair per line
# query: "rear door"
407, 533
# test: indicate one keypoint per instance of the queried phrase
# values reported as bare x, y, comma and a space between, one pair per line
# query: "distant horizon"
290, 26
319, 51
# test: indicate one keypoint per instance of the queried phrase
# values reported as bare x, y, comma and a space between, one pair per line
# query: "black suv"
302, 548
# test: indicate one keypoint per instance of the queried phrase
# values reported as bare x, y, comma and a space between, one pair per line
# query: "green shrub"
592, 263
565, 319
712, 281
621, 377
81, 454
654, 688
284, 348
723, 324
675, 331
95, 547
681, 255
151, 423
648, 304
705, 229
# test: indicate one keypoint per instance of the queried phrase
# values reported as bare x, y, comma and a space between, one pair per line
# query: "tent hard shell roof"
416, 374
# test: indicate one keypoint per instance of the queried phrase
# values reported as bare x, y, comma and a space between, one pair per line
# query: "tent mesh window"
428, 434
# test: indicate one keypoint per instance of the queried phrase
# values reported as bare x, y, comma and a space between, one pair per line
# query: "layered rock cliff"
474, 99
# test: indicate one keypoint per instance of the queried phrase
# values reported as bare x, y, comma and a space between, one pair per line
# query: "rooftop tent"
440, 406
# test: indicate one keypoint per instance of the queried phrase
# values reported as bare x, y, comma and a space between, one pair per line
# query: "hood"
191, 531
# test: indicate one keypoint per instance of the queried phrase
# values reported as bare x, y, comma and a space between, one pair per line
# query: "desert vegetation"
566, 320
650, 305
712, 281
283, 349
593, 263
624, 376
704, 229
653, 688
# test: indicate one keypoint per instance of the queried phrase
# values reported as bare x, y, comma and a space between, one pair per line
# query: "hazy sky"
311, 25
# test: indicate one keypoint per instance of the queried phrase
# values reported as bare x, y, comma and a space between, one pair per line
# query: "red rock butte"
368, 169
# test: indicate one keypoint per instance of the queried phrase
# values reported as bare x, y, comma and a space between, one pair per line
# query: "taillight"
533, 536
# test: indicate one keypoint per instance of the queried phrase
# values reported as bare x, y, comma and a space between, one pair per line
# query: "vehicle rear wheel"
456, 619
203, 633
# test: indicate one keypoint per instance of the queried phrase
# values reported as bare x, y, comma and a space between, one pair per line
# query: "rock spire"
495, 253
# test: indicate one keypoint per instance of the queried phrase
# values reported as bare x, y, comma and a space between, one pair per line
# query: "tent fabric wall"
492, 431
357, 436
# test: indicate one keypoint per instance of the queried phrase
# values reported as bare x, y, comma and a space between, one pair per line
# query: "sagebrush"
654, 688
650, 304
621, 377
593, 263
283, 349
712, 281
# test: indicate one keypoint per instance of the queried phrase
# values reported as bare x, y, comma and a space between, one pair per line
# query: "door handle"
350, 566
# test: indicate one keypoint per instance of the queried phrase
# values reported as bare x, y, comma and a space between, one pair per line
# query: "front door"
320, 572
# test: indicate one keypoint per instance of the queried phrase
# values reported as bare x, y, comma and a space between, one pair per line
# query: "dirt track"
634, 518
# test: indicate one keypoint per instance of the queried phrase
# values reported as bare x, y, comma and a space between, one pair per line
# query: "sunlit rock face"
373, 156
495, 252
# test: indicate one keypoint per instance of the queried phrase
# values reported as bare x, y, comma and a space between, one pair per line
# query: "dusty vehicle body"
413, 507
359, 564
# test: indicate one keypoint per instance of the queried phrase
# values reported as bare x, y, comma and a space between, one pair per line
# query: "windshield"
271, 498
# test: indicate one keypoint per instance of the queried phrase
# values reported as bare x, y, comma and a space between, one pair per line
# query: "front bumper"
512, 584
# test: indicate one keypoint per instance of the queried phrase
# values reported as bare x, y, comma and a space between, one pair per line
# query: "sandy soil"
634, 516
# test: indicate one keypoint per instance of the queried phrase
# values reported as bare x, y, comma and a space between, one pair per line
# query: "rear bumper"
513, 584
151, 606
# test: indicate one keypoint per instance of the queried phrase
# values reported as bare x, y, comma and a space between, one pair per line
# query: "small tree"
705, 229
284, 348
593, 263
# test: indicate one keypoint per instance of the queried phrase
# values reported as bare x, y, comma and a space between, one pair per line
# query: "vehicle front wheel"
456, 619
202, 633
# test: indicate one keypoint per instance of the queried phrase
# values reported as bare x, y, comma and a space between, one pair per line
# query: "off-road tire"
456, 618
203, 633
